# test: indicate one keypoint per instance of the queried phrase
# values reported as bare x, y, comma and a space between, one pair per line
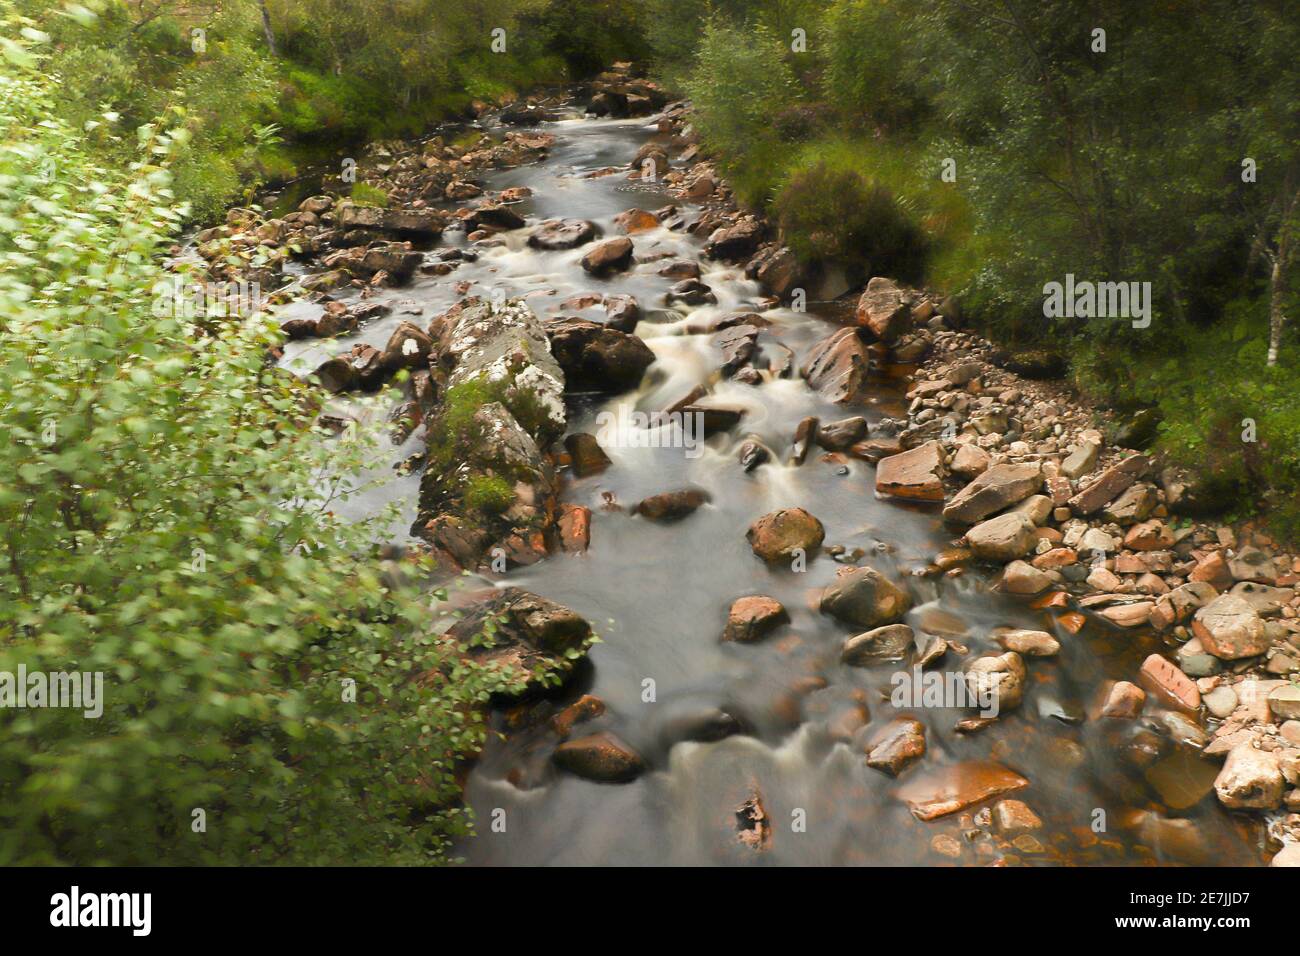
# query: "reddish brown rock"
783, 535
1230, 628
612, 255
671, 505
997, 488
1125, 700
585, 707
900, 743
916, 474
946, 790
837, 367
882, 309
602, 757
1112, 482
754, 617
574, 524
1170, 684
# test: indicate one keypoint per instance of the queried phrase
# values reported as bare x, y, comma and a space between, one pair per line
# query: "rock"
900, 743
1020, 577
527, 632
842, 434
890, 643
586, 707
1213, 570
778, 271
1027, 643
408, 347
1002, 538
916, 474
505, 345
1252, 564
1013, 816
1134, 504
783, 535
495, 217
1125, 700
1032, 363
1170, 684
1109, 485
636, 220
753, 617
601, 757
1221, 701
1230, 629
753, 453
883, 310
1037, 508
1265, 599
1289, 855
1284, 702
612, 255
574, 525
997, 488
585, 454
423, 223
622, 312
1149, 536
563, 234
1129, 614
1082, 460
690, 292
753, 827
597, 358
671, 505
739, 344
837, 367
999, 677
338, 374
865, 598
735, 242
955, 787
804, 434
970, 461
1250, 780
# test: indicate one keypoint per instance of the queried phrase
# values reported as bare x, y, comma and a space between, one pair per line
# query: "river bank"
744, 695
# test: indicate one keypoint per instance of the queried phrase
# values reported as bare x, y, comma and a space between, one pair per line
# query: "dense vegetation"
167, 515
988, 147
272, 693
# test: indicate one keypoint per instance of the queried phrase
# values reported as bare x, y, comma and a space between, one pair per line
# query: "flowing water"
1107, 791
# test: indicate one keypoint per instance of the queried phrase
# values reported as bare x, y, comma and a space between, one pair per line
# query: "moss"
489, 493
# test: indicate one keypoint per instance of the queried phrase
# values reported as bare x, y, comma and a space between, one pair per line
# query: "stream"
1107, 791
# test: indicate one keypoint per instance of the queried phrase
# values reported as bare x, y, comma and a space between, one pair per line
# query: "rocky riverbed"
869, 590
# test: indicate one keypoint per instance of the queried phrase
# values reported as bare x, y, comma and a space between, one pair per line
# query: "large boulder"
597, 358
997, 488
865, 598
786, 534
884, 309
837, 367
508, 349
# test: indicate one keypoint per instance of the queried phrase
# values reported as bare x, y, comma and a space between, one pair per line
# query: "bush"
167, 522
841, 216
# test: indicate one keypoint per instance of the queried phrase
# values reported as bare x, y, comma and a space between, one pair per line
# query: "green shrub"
364, 194
169, 523
842, 216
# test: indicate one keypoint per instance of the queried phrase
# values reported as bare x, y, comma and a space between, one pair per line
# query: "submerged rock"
863, 597
602, 757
